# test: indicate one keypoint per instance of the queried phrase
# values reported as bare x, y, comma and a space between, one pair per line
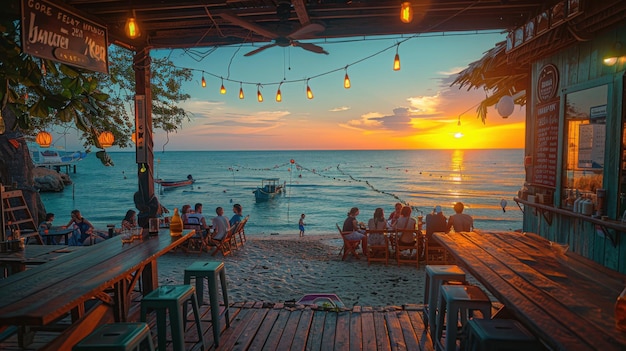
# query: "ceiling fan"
283, 41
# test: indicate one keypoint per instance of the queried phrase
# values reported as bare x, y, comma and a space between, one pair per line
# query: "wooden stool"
499, 334
117, 337
173, 298
455, 299
436, 275
210, 270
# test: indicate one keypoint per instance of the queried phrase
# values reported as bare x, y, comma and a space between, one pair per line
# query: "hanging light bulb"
240, 90
309, 92
259, 96
279, 95
43, 68
396, 60
406, 12
346, 80
143, 168
203, 81
222, 88
132, 27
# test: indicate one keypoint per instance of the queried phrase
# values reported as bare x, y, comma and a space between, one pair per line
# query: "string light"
259, 96
222, 88
309, 92
279, 95
346, 80
406, 12
241, 90
203, 80
396, 60
43, 68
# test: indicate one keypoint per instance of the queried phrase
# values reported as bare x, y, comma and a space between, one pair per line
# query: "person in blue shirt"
238, 216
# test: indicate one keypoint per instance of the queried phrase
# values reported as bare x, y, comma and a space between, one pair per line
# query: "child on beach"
301, 224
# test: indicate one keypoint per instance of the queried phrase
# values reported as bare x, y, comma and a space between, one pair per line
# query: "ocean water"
324, 185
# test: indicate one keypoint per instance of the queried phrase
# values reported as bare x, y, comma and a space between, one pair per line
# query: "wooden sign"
53, 32
548, 83
546, 144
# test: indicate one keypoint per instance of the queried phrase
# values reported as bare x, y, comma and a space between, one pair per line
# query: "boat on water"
269, 188
171, 184
49, 157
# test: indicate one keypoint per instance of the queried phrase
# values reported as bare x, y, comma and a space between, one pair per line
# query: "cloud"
239, 123
339, 109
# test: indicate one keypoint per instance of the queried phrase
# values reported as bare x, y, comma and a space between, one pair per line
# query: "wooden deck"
266, 326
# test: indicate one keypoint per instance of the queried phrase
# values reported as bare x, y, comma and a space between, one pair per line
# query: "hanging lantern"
203, 82
396, 62
44, 139
505, 106
406, 12
279, 95
259, 96
106, 139
240, 92
309, 92
346, 80
133, 137
222, 88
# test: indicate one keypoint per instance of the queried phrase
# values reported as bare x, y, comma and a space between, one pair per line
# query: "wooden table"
54, 233
106, 272
563, 298
32, 255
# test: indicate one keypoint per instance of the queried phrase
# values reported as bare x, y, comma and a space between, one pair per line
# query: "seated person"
352, 225
395, 215
83, 231
406, 222
46, 225
435, 222
238, 216
377, 222
130, 220
221, 226
460, 221
195, 218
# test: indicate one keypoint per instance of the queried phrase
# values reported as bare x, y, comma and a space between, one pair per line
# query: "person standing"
301, 224
460, 221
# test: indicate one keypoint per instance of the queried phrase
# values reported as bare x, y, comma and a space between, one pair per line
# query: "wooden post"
145, 199
3, 235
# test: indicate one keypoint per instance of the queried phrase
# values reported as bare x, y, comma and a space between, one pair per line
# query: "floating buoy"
503, 203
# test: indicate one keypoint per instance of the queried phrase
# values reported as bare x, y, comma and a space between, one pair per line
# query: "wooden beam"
300, 8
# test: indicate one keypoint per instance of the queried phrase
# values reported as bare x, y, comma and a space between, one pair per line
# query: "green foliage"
71, 97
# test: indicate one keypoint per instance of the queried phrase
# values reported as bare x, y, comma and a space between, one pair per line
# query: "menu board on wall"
546, 131
51, 31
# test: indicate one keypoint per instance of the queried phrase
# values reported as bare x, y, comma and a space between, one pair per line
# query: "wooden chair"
434, 253
241, 232
198, 242
349, 246
224, 245
379, 251
413, 256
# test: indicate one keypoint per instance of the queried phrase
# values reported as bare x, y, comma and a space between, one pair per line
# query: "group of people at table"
400, 219
84, 233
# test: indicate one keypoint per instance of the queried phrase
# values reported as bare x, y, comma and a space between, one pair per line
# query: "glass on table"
127, 236
137, 233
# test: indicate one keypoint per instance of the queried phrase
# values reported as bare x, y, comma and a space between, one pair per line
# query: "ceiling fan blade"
256, 51
248, 25
311, 47
305, 30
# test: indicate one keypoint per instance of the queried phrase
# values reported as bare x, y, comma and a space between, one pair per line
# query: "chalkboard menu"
546, 131
53, 32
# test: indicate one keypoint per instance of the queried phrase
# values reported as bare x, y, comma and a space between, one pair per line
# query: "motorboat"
268, 189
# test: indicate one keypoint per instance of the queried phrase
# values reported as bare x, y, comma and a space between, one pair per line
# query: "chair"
241, 233
224, 245
377, 249
413, 248
434, 253
197, 242
349, 246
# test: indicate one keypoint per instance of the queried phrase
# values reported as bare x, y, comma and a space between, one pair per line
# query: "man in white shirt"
221, 226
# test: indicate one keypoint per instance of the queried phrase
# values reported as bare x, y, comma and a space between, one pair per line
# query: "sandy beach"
283, 268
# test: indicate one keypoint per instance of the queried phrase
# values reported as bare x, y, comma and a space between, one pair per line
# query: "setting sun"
458, 135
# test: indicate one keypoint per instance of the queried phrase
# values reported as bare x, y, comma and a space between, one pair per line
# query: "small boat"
170, 184
269, 188
43, 157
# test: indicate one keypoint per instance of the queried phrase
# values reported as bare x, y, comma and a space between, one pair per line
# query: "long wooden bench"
566, 300
41, 295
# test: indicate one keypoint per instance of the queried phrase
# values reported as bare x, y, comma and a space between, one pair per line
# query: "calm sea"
322, 184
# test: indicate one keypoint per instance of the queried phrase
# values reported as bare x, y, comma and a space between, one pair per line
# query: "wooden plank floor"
266, 326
